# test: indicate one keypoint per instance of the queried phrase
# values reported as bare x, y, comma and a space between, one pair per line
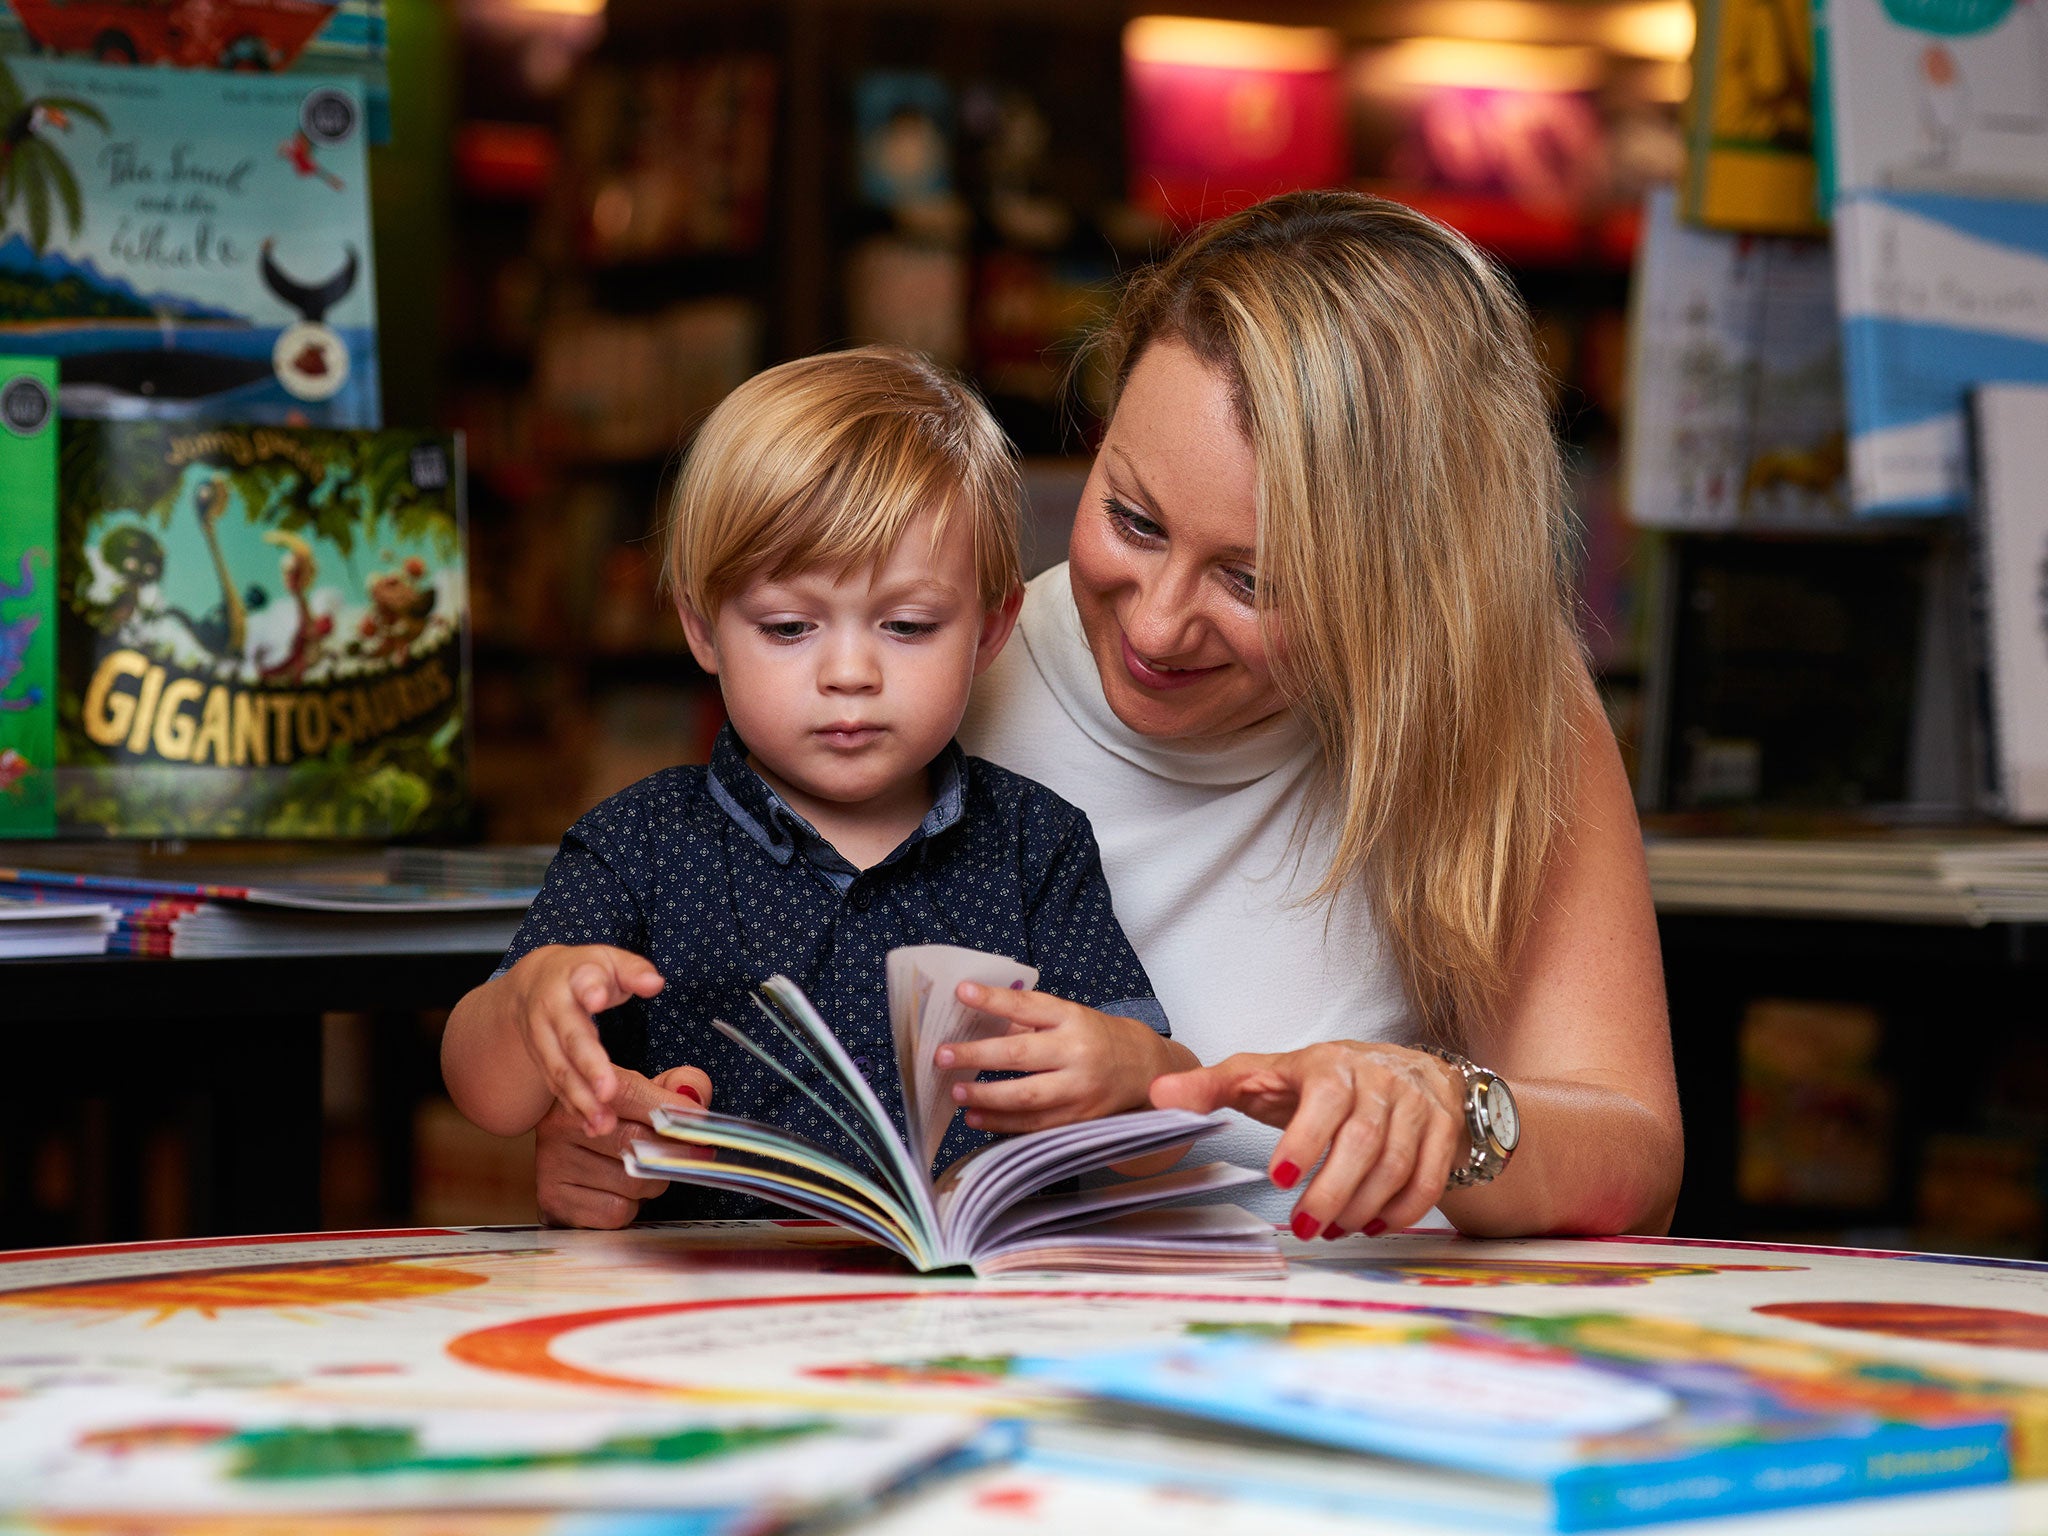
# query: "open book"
988, 1210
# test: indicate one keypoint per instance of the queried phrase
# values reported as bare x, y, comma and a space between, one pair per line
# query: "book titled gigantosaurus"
262, 632
189, 245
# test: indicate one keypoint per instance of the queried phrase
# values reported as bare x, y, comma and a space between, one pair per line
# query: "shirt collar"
782, 833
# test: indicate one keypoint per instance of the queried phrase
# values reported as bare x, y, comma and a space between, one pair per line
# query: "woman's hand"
578, 1178
1083, 1064
1386, 1123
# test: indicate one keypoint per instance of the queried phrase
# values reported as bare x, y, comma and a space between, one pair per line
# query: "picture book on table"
1938, 96
988, 1211
1735, 369
262, 632
339, 37
2009, 538
28, 596
1749, 150
190, 245
1940, 293
1606, 1421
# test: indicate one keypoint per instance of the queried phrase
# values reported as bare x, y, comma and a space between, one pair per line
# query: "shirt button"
859, 897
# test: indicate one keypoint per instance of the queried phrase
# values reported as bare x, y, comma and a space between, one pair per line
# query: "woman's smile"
1151, 674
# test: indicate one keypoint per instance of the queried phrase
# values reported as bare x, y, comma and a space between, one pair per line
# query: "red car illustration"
203, 34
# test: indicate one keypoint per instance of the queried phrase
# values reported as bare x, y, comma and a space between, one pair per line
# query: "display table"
797, 1315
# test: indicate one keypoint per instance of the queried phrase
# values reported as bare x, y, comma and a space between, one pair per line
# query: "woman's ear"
697, 630
996, 624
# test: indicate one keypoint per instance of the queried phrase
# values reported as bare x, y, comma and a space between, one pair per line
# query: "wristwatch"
1491, 1120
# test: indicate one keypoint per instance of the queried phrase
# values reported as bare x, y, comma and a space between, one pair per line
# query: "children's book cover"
1939, 294
28, 596
1735, 412
1939, 95
340, 37
189, 245
1624, 1420
1750, 151
262, 632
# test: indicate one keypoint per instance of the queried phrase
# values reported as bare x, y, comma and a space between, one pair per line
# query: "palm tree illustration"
33, 170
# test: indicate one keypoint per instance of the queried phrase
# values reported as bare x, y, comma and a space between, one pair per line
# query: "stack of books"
1909, 876
40, 930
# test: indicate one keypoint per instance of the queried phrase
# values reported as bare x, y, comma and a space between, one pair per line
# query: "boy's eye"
909, 629
1130, 524
785, 629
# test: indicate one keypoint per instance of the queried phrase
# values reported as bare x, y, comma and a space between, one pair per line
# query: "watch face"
1501, 1116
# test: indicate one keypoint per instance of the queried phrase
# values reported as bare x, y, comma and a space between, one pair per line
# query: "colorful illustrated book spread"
2011, 548
337, 37
1750, 157
1939, 294
981, 1212
1938, 95
28, 597
1618, 1421
263, 632
1736, 413
190, 245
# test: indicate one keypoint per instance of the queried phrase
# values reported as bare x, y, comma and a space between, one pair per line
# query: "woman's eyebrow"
1144, 491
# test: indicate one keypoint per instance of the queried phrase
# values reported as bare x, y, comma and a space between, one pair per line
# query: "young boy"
843, 552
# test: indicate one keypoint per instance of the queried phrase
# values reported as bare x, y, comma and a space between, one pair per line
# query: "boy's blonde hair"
825, 462
1412, 551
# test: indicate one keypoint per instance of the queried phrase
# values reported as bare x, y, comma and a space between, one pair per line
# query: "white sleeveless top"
1197, 841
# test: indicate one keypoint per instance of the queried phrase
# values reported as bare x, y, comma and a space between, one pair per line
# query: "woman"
1312, 673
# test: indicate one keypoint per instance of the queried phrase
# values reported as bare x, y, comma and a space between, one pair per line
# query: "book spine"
1823, 118
1987, 781
1898, 1458
28, 597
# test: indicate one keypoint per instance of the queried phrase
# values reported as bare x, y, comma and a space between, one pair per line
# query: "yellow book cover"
1750, 160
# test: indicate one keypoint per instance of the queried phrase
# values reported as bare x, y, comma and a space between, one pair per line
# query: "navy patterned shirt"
708, 873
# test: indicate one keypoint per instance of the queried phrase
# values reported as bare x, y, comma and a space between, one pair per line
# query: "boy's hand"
1083, 1064
558, 992
579, 1180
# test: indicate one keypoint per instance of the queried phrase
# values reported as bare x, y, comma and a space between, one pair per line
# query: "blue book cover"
1620, 1421
189, 245
333, 37
1939, 293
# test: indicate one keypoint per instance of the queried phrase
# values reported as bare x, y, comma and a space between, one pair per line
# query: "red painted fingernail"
1330, 1233
1305, 1225
1375, 1227
690, 1093
1286, 1175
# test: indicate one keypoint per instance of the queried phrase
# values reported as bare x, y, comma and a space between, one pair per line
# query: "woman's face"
1162, 556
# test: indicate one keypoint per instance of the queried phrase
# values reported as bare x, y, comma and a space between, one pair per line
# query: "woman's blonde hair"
825, 462
1412, 557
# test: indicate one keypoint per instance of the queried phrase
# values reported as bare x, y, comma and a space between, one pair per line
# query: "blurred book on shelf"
38, 929
1735, 413
1749, 154
1910, 875
508, 865
614, 387
262, 37
1814, 1112
2009, 541
196, 245
28, 596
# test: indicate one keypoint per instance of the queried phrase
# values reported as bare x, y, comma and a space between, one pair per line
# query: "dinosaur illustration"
399, 607
309, 638
137, 561
15, 636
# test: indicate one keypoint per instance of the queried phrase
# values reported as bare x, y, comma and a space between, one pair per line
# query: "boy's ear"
697, 630
996, 625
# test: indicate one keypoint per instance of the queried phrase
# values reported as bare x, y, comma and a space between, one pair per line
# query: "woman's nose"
1163, 620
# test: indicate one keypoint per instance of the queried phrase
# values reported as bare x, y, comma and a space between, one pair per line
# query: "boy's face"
846, 684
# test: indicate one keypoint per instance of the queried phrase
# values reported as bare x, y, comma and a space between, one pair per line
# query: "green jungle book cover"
28, 596
263, 632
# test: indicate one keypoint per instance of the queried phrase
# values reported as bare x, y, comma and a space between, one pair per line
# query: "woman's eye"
785, 630
910, 629
1131, 524
1243, 584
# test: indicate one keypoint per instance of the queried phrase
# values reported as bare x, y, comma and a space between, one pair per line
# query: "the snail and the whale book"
189, 244
1002, 1208
260, 632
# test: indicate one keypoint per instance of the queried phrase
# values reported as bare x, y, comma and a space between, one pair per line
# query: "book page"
925, 1014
